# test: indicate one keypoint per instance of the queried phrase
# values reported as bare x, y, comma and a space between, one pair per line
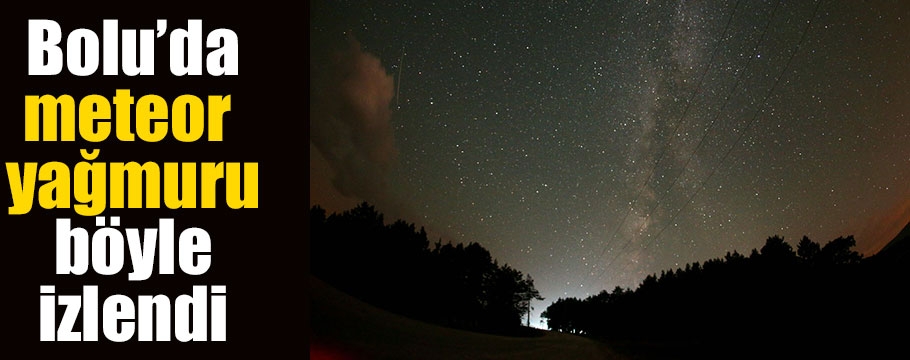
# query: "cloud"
350, 119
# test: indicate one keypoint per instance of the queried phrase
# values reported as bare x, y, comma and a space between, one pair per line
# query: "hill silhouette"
898, 249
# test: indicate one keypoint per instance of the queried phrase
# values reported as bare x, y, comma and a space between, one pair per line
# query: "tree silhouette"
392, 266
839, 251
808, 250
777, 250
769, 299
526, 293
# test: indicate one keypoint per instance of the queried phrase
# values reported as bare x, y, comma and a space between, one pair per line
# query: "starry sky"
590, 144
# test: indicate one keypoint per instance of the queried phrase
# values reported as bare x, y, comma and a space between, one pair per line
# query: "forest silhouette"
780, 300
811, 301
393, 267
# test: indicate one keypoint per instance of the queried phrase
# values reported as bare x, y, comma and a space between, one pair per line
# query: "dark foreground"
345, 328
342, 327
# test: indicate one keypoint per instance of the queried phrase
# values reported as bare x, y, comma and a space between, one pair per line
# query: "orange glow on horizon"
879, 230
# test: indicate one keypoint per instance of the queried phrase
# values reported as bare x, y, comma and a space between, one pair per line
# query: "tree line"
393, 267
773, 298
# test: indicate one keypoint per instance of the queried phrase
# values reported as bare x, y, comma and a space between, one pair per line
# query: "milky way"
592, 144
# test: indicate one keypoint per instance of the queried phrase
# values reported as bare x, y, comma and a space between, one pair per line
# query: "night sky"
590, 144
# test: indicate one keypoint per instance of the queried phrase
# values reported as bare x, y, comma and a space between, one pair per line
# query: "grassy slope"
346, 328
